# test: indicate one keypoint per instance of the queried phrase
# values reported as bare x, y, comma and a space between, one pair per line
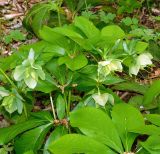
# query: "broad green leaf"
152, 92
125, 117
55, 135
74, 63
48, 85
146, 130
7, 134
87, 27
141, 46
60, 106
112, 33
153, 118
89, 71
99, 127
110, 80
32, 139
74, 143
152, 144
131, 86
49, 35
57, 71
73, 35
67, 31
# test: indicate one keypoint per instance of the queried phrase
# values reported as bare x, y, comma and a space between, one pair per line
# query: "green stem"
65, 99
69, 102
9, 80
52, 105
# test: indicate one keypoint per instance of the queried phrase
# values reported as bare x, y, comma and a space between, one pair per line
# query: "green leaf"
37, 16
110, 80
49, 35
48, 85
152, 145
99, 127
75, 143
146, 130
131, 86
60, 107
137, 101
40, 19
74, 63
112, 33
7, 134
125, 118
141, 46
55, 135
32, 139
87, 27
153, 118
152, 92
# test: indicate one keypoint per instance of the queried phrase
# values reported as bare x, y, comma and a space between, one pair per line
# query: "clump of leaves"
14, 35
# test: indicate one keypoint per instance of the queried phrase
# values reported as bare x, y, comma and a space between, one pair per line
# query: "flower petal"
30, 82
101, 99
134, 69
144, 59
19, 73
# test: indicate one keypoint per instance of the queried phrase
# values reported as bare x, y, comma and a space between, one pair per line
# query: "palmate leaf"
74, 143
99, 127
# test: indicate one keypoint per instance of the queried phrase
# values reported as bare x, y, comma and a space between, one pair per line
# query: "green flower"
108, 66
102, 99
29, 71
142, 61
12, 102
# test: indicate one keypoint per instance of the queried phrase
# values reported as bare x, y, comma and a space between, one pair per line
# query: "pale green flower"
3, 92
13, 102
108, 66
29, 71
102, 99
142, 61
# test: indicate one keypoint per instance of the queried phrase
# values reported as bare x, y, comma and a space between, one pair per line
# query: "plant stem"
9, 80
52, 105
69, 102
